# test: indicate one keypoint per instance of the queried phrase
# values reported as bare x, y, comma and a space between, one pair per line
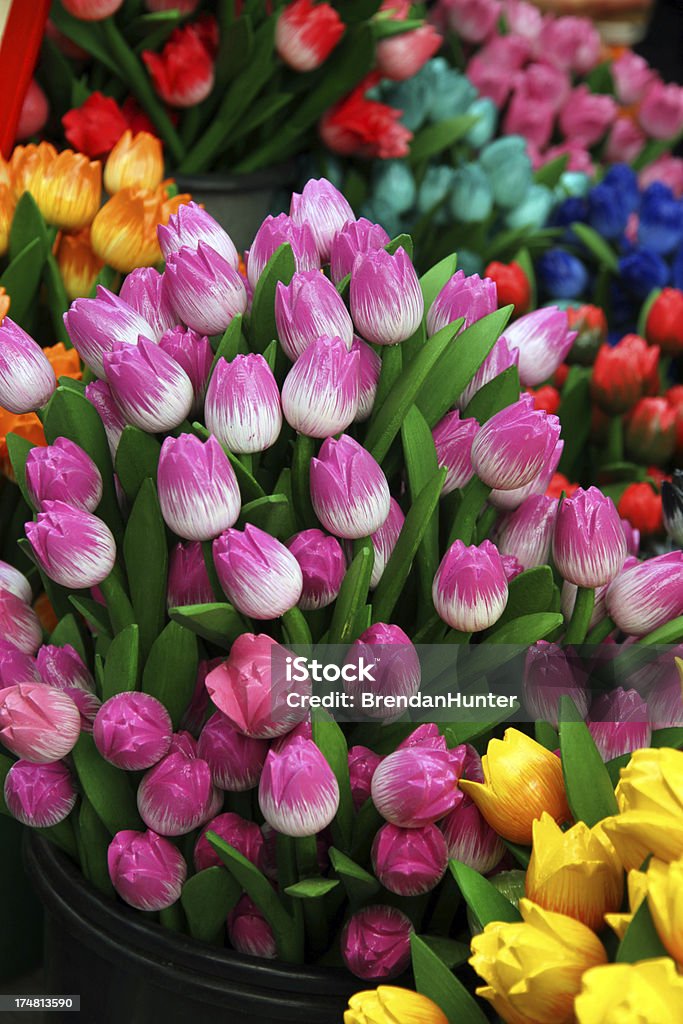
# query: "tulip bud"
416, 786
388, 1003
663, 895
501, 358
354, 238
73, 548
132, 730
63, 472
470, 589
619, 723
465, 297
513, 446
245, 836
251, 690
543, 340
512, 285
189, 226
15, 582
621, 373
176, 795
551, 673
249, 932
306, 34
204, 289
298, 792
308, 308
136, 161
147, 871
324, 209
672, 507
92, 10
589, 547
664, 322
409, 861
320, 392
385, 296
198, 492
470, 839
38, 723
19, 623
384, 541
63, 668
375, 942
540, 484
188, 579
322, 565
194, 354
395, 667
16, 666
144, 292
273, 233
369, 366
527, 532
260, 577
650, 434
349, 491
453, 439
27, 379
94, 325
235, 760
99, 395
243, 404
39, 795
363, 764
150, 388
428, 735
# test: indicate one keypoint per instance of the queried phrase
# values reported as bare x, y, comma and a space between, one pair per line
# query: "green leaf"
529, 593
526, 629
93, 613
170, 674
272, 514
614, 767
28, 226
231, 344
522, 854
439, 136
483, 899
146, 557
58, 300
137, 459
18, 449
602, 250
262, 328
422, 465
549, 174
207, 899
402, 241
360, 885
122, 663
311, 888
641, 941
352, 595
330, 740
436, 981
495, 395
546, 735
106, 787
672, 737
5, 765
575, 417
433, 281
93, 843
67, 632
449, 951
590, 792
220, 624
21, 279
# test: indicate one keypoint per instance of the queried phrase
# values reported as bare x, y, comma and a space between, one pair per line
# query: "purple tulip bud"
205, 291
132, 730
95, 325
144, 292
99, 395
191, 225
511, 567
193, 352
513, 446
251, 688
453, 439
322, 565
349, 491
63, 472
395, 668
632, 536
243, 404
27, 379
470, 588
16, 666
427, 735
646, 595
176, 795
39, 795
589, 547
274, 232
324, 209
385, 296
375, 943
363, 764
551, 672
14, 581
619, 723
409, 861
188, 579
369, 366
308, 308
260, 577
235, 760
543, 340
298, 792
198, 492
527, 532
384, 540
73, 548
184, 743
147, 871
150, 388
416, 786
63, 668
320, 392
19, 623
471, 839
500, 358
249, 932
356, 237
38, 723
245, 836
509, 500
469, 297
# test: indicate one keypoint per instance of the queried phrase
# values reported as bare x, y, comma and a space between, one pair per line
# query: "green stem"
615, 440
486, 522
62, 835
247, 461
315, 918
473, 497
600, 632
581, 616
173, 918
392, 364
120, 609
304, 449
296, 628
207, 551
287, 873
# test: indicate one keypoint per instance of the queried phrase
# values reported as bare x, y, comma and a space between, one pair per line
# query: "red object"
357, 126
34, 112
400, 57
560, 376
642, 506
95, 127
547, 398
664, 326
182, 73
560, 483
512, 285
306, 33
624, 373
651, 431
18, 53
674, 397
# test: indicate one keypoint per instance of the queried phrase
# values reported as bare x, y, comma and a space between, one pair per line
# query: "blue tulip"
436, 185
508, 167
394, 184
533, 210
661, 219
572, 183
608, 210
677, 270
453, 94
471, 199
641, 271
413, 97
625, 180
568, 212
562, 275
486, 114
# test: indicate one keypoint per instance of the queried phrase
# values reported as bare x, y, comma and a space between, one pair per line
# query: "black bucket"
126, 969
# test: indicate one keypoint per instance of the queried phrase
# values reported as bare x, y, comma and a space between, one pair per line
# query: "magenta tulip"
298, 792
470, 588
409, 861
176, 795
646, 595
416, 786
453, 437
235, 760
320, 392
204, 290
322, 565
147, 871
349, 491
95, 325
63, 472
589, 547
242, 405
144, 292
189, 226
469, 298
324, 209
198, 492
132, 730
245, 836
385, 296
375, 943
27, 379
73, 548
38, 723
354, 238
259, 575
308, 308
39, 795
514, 445
153, 392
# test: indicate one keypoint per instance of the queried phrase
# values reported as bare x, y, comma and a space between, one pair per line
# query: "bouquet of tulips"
304, 459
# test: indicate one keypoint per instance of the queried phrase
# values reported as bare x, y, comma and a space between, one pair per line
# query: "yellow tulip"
576, 872
648, 992
521, 780
7, 205
124, 232
390, 1005
68, 190
28, 163
636, 885
650, 799
533, 968
665, 900
78, 264
136, 161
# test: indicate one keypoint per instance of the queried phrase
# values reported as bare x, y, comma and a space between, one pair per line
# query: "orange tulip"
78, 264
5, 172
26, 425
124, 232
46, 613
29, 163
68, 191
171, 205
136, 161
65, 361
7, 205
4, 303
